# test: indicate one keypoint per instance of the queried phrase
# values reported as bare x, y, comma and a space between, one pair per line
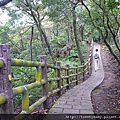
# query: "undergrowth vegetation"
27, 75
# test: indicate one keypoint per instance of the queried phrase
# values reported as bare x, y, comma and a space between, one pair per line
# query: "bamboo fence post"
83, 71
88, 68
58, 64
68, 79
76, 74
43, 59
5, 80
90, 64
91, 56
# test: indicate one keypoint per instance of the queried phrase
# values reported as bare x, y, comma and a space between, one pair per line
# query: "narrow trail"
78, 99
106, 96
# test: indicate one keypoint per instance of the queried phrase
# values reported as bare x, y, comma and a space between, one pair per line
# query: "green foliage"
17, 33
56, 8
58, 42
24, 73
35, 94
112, 4
84, 48
72, 58
17, 100
116, 50
117, 109
4, 37
23, 76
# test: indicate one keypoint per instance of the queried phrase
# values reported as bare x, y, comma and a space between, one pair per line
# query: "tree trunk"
112, 52
119, 36
37, 21
81, 30
46, 40
101, 30
41, 37
76, 40
31, 43
112, 33
70, 32
21, 42
114, 39
69, 40
48, 45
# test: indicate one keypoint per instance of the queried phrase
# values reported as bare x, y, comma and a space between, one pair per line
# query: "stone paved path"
78, 99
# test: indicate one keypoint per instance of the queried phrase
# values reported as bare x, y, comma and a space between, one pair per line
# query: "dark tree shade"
4, 2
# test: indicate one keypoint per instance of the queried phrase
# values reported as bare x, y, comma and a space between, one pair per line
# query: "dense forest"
60, 29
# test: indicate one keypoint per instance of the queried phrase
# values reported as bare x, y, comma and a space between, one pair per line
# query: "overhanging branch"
4, 2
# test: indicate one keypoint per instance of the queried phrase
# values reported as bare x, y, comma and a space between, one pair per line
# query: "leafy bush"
26, 75
23, 76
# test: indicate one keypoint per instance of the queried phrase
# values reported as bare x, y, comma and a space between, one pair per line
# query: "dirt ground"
106, 97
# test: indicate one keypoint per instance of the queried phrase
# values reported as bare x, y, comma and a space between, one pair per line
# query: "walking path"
78, 99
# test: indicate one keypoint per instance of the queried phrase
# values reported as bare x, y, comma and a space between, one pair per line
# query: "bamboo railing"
64, 77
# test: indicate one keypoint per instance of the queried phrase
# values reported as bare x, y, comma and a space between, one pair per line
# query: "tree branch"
4, 2
97, 4
91, 17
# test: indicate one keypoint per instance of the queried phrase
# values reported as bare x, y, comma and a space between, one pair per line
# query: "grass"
117, 109
110, 96
98, 90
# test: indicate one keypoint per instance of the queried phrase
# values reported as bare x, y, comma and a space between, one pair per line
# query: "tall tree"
34, 10
64, 12
104, 21
74, 5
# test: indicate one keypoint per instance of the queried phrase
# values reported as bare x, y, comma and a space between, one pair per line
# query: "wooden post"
43, 59
90, 65
68, 79
87, 67
58, 64
83, 72
5, 80
77, 74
